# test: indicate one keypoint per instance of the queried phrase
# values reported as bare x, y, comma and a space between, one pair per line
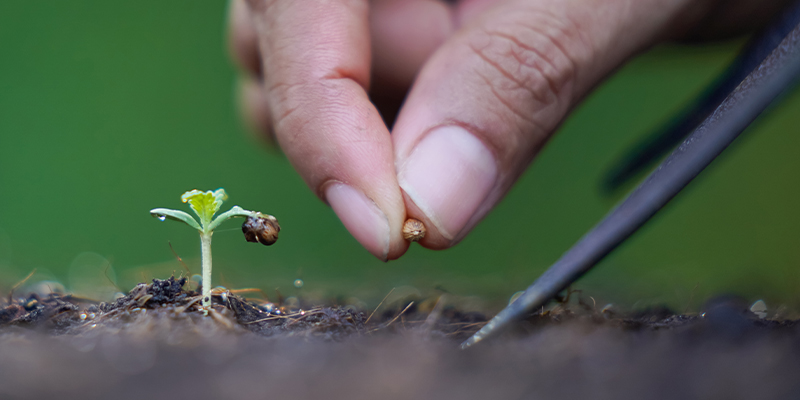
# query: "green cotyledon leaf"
176, 215
236, 211
205, 204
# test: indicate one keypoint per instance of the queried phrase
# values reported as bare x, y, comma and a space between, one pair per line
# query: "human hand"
490, 82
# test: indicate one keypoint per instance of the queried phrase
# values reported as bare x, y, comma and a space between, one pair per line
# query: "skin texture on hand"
487, 83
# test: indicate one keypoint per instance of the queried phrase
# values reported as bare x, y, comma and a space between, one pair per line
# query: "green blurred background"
105, 108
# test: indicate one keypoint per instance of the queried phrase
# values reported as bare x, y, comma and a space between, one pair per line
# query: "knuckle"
258, 5
526, 61
297, 104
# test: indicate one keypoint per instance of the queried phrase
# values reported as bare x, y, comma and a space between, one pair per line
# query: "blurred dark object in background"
653, 146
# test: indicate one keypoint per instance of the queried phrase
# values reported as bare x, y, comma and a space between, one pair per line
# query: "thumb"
490, 97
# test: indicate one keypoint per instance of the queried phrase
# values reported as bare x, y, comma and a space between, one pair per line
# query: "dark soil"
156, 342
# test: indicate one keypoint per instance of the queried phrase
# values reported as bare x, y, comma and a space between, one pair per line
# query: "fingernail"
448, 175
362, 218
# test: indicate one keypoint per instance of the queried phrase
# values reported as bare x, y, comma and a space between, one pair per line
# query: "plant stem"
205, 248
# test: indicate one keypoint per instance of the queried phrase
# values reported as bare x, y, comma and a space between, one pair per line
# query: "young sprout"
257, 227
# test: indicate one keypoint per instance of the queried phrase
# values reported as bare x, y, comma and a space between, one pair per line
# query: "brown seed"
261, 229
413, 230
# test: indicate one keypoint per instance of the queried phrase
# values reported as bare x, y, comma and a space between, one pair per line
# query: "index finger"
316, 59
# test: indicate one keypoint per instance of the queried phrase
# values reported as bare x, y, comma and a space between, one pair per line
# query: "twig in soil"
141, 301
586, 306
302, 314
460, 327
464, 326
272, 318
394, 319
565, 299
17, 285
221, 319
189, 304
379, 306
108, 278
434, 315
180, 260
250, 290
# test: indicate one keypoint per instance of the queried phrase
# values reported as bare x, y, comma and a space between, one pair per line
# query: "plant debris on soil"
168, 298
62, 314
158, 339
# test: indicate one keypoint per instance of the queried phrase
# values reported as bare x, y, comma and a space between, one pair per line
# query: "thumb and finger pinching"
479, 110
315, 74
490, 97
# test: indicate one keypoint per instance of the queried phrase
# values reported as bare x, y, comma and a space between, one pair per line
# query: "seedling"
258, 227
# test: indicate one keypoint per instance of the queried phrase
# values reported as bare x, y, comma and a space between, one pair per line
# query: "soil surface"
157, 342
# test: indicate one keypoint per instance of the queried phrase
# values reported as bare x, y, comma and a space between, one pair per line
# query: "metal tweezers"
773, 62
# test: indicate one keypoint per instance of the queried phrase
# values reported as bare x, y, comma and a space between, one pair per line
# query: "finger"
404, 34
486, 101
255, 111
317, 55
242, 38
